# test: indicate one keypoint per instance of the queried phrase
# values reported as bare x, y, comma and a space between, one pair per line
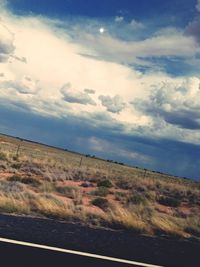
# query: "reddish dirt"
4, 175
164, 209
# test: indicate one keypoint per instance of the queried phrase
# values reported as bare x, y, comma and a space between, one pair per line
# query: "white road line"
77, 253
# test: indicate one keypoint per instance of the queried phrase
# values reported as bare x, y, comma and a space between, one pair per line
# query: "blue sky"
118, 79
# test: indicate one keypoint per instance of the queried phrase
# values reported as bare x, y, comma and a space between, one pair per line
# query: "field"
41, 181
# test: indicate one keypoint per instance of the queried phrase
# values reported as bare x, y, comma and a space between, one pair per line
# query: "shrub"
11, 205
3, 156
121, 196
68, 191
105, 183
25, 180
163, 224
48, 187
127, 219
192, 226
124, 184
101, 202
137, 199
101, 191
16, 166
14, 178
30, 180
16, 157
169, 201
151, 195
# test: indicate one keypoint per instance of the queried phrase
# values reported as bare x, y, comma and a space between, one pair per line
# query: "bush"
14, 178
120, 196
137, 199
16, 157
101, 202
101, 191
105, 183
30, 180
68, 191
25, 180
124, 184
3, 156
16, 166
169, 201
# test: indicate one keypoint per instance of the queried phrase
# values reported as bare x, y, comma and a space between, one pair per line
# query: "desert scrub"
124, 184
52, 207
47, 187
101, 203
150, 195
14, 178
101, 191
165, 224
121, 196
14, 187
9, 204
25, 180
136, 198
169, 201
126, 219
16, 166
105, 183
3, 156
192, 225
67, 191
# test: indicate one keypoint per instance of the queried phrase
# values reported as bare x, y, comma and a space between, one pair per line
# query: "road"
70, 236
51, 256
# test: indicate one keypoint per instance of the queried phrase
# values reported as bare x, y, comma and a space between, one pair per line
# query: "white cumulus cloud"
72, 95
6, 43
113, 104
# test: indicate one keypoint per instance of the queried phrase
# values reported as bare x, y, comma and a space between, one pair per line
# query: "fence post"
80, 162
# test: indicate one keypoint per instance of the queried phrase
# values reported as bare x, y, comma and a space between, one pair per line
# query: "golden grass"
51, 197
165, 224
9, 204
51, 206
127, 219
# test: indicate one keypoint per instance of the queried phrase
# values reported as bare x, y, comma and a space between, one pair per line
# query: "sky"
119, 79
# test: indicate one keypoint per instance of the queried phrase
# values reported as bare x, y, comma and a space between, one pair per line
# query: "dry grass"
10, 204
52, 207
164, 224
41, 180
127, 219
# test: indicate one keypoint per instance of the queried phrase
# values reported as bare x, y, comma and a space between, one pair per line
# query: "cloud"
136, 25
119, 18
193, 29
58, 58
198, 5
100, 145
113, 104
176, 103
6, 43
114, 49
74, 96
89, 91
24, 86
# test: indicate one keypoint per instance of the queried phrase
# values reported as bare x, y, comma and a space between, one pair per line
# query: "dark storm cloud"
167, 156
193, 29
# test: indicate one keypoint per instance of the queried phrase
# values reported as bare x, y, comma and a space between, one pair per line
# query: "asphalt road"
16, 255
119, 244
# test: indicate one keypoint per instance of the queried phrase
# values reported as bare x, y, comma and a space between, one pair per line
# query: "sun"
101, 30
